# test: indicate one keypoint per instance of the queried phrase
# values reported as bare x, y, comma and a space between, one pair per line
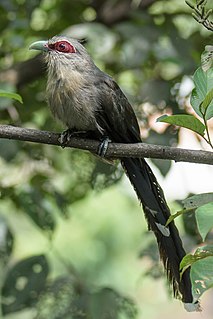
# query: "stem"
208, 140
178, 213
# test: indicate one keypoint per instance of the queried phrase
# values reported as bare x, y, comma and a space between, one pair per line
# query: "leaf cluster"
201, 100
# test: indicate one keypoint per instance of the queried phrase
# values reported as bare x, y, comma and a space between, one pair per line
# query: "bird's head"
63, 51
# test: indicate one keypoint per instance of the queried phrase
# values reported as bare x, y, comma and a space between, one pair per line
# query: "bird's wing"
115, 114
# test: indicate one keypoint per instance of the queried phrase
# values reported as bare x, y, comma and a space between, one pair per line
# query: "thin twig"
208, 140
201, 14
114, 150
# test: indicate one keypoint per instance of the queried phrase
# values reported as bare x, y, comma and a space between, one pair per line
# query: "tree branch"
114, 150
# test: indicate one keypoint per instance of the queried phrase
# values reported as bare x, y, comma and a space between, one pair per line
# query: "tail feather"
157, 212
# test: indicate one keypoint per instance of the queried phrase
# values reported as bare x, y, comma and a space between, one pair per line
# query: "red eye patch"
62, 46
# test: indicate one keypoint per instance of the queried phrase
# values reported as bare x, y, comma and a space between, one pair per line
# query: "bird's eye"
63, 46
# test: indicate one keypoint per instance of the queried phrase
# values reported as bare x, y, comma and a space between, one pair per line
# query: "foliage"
202, 204
201, 101
62, 254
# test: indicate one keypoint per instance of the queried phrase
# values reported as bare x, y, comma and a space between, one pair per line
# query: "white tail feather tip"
190, 307
163, 229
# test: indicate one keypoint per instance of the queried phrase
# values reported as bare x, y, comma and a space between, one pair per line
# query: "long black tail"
157, 212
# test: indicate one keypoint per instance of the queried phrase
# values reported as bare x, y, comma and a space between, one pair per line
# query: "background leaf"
6, 241
32, 201
10, 95
23, 284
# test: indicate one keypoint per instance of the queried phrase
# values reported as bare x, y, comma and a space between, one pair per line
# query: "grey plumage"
69, 94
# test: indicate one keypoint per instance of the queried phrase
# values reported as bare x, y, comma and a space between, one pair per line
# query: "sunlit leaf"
184, 120
10, 95
202, 253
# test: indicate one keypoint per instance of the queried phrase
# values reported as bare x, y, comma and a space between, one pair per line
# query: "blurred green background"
73, 239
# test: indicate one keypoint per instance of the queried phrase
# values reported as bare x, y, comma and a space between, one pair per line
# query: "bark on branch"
114, 150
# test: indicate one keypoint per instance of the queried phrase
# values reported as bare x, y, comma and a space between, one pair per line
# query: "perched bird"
86, 99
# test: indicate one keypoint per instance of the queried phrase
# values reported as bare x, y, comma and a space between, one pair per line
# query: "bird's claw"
103, 146
66, 136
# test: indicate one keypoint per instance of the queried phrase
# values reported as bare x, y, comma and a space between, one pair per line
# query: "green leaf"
184, 120
11, 95
197, 200
201, 276
206, 102
190, 205
204, 217
203, 85
24, 283
200, 253
201, 269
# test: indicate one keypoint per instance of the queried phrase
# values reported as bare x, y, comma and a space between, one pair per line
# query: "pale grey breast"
72, 101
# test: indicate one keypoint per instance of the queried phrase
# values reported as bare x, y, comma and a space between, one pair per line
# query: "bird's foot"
66, 136
103, 146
